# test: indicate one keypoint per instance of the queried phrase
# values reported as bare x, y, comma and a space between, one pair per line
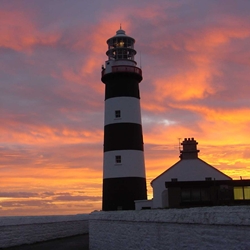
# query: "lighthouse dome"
121, 47
120, 32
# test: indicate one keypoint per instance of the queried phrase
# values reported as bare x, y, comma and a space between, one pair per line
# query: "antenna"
179, 144
140, 60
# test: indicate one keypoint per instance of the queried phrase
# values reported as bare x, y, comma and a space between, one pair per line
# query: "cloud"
17, 194
26, 203
76, 198
195, 62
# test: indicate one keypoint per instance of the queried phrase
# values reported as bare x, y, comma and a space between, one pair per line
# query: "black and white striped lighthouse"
124, 178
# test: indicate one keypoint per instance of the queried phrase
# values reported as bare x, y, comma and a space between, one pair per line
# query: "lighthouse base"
120, 193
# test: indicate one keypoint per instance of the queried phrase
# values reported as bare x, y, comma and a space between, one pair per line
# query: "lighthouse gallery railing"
131, 69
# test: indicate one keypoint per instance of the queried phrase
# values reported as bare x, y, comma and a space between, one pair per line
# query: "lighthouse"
124, 178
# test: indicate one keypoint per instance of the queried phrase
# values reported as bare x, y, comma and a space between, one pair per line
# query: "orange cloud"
19, 31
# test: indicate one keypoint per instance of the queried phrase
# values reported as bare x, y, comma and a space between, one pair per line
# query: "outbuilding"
193, 182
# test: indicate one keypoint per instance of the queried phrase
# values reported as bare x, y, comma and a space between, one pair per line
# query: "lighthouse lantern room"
124, 178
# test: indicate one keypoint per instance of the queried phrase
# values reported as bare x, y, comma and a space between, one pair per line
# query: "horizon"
195, 67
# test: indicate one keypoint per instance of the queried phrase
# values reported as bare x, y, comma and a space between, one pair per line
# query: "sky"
195, 60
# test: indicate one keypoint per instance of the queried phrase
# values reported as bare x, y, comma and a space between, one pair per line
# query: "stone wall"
15, 235
194, 228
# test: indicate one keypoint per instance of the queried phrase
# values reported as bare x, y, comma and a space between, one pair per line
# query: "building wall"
143, 204
184, 170
194, 228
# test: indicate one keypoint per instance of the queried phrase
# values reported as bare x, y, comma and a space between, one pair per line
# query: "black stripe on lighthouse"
120, 193
122, 136
122, 86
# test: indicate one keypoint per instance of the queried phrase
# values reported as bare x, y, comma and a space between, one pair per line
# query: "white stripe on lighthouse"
129, 108
132, 164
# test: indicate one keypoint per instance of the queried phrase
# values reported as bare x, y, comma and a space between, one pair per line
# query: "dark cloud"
18, 194
26, 203
47, 194
76, 198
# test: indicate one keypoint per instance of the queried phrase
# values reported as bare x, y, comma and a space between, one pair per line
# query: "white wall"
194, 228
129, 107
140, 204
132, 164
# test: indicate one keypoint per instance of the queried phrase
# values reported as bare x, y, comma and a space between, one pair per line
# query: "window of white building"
242, 193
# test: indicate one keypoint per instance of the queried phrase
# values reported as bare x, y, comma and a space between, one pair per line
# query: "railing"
127, 69
123, 68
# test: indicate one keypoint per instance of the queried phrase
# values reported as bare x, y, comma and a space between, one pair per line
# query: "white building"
188, 168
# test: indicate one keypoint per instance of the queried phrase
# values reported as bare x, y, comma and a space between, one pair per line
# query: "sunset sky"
195, 59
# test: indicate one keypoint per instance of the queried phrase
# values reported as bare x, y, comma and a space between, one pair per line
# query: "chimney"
189, 149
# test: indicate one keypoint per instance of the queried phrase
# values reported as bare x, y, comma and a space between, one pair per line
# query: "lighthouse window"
118, 159
117, 113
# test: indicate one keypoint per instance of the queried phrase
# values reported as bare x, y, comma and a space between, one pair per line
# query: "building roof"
232, 183
191, 168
